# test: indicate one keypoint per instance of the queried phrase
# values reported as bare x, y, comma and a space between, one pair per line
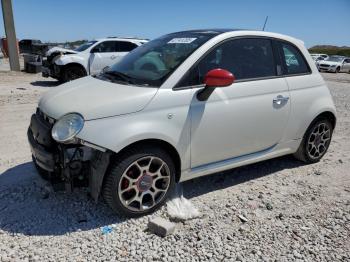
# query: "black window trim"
274, 44
279, 46
104, 41
124, 41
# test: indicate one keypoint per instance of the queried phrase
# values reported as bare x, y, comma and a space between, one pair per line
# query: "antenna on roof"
267, 17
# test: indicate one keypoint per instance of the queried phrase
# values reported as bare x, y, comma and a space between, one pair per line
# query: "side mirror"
213, 79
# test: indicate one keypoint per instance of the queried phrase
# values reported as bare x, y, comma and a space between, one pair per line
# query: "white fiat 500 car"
185, 105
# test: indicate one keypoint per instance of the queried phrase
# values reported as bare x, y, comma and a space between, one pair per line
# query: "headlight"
333, 65
67, 127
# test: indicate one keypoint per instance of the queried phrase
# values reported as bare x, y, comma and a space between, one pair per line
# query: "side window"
246, 58
124, 46
106, 47
294, 61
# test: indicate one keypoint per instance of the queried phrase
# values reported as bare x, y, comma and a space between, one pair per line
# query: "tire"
72, 72
42, 172
337, 70
312, 142
128, 187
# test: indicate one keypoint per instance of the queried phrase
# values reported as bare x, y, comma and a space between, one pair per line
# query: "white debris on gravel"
309, 219
180, 208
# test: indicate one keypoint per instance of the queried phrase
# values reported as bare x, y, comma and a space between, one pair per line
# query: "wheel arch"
323, 115
169, 148
64, 67
113, 156
326, 115
301, 154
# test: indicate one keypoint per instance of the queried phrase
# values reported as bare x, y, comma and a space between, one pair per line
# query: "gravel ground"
293, 211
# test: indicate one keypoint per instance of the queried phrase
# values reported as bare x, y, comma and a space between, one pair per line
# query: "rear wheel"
315, 142
72, 72
139, 181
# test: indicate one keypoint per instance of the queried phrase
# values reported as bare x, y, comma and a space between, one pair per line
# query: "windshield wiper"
121, 76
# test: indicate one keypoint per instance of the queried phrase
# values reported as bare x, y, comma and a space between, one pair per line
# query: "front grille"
324, 65
42, 116
41, 129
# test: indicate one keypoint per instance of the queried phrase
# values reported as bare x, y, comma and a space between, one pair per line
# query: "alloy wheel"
319, 140
144, 183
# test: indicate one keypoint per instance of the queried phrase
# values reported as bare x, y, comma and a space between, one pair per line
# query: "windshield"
85, 46
151, 63
335, 59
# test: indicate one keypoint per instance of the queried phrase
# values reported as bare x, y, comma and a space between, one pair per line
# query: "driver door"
102, 55
242, 118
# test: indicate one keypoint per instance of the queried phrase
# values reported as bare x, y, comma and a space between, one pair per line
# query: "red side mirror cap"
219, 78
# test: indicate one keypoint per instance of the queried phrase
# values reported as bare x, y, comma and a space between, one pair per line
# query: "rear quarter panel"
310, 97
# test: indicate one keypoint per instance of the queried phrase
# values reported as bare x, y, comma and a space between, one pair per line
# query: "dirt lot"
294, 211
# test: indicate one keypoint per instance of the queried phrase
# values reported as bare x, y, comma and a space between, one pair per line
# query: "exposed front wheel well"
156, 143
74, 65
72, 71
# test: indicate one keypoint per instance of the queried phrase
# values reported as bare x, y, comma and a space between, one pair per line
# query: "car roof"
340, 56
131, 39
214, 31
237, 31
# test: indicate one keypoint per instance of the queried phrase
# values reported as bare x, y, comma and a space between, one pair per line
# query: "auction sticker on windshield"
185, 40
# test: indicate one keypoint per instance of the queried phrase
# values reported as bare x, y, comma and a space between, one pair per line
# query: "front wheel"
72, 72
337, 70
315, 142
140, 181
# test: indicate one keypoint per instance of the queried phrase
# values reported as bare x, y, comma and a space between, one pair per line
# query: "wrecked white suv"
182, 106
90, 58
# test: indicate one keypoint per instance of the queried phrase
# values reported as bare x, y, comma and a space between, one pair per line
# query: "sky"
313, 21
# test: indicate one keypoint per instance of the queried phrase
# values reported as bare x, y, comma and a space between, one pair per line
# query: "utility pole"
10, 34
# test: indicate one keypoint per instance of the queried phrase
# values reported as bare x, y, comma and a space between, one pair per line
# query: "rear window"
124, 46
294, 62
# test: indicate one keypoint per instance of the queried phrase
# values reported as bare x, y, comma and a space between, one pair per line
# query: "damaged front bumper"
51, 70
68, 165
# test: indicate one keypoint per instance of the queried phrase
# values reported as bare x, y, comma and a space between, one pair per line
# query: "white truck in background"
90, 58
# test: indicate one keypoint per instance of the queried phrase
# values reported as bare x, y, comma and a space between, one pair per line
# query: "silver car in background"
335, 64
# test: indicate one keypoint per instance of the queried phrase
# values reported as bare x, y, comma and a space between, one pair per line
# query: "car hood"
329, 62
94, 98
60, 50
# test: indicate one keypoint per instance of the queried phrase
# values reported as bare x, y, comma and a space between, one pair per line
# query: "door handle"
113, 57
280, 99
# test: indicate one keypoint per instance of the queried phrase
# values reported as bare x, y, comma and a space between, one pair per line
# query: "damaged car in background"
89, 58
182, 106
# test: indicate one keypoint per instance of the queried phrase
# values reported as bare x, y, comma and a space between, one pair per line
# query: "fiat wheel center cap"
144, 183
